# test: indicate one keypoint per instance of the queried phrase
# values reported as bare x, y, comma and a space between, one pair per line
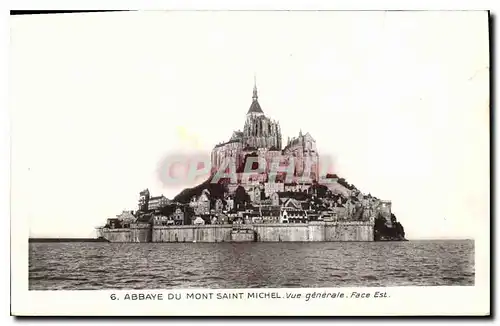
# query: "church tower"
255, 109
260, 131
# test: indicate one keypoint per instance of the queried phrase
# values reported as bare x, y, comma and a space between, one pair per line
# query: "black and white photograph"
220, 157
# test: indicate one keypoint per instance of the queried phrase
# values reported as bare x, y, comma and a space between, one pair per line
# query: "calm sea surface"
82, 266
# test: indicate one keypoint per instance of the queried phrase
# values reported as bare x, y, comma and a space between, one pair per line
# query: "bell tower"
144, 200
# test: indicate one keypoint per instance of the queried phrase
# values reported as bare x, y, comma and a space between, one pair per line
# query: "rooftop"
255, 106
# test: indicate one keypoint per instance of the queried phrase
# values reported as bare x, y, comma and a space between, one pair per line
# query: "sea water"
83, 266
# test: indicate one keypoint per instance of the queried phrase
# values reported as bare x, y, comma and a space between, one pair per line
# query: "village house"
291, 215
219, 206
229, 203
201, 204
157, 202
162, 220
273, 187
199, 221
297, 187
126, 218
177, 216
256, 194
114, 223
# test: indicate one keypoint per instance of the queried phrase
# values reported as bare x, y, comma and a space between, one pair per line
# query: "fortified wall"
313, 231
136, 233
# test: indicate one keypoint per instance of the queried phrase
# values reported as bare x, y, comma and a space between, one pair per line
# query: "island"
263, 189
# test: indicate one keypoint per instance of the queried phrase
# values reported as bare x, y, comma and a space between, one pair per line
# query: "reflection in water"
245, 265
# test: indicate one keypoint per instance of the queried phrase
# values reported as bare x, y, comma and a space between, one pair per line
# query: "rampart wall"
307, 232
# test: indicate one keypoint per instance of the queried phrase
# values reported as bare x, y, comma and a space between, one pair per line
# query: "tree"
319, 189
241, 198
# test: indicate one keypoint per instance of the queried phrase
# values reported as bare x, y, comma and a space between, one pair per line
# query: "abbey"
269, 192
261, 137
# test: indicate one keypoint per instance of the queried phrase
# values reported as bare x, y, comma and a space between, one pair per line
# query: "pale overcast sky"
399, 99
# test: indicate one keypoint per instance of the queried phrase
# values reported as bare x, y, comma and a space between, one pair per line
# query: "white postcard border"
456, 300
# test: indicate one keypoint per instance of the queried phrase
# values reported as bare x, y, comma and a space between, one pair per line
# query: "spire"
255, 107
254, 97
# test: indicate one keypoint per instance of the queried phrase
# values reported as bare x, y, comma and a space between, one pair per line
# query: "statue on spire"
254, 97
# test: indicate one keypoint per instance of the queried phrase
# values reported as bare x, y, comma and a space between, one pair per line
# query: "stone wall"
243, 236
191, 233
348, 231
313, 231
117, 235
140, 233
281, 232
132, 234
317, 231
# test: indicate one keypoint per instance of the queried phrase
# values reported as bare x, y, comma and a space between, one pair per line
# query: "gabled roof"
146, 218
291, 202
233, 140
308, 136
255, 107
157, 197
237, 135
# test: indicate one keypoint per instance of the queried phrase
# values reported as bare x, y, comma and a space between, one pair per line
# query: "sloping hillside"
216, 191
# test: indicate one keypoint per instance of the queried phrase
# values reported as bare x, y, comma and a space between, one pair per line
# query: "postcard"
250, 163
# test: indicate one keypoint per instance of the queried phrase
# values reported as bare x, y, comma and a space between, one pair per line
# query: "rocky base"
385, 231
390, 238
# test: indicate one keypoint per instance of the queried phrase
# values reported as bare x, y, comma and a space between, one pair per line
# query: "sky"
399, 101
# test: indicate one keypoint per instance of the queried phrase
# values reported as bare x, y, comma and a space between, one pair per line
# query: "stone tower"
260, 131
144, 200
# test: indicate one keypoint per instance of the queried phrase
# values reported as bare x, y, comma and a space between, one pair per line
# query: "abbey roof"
255, 107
